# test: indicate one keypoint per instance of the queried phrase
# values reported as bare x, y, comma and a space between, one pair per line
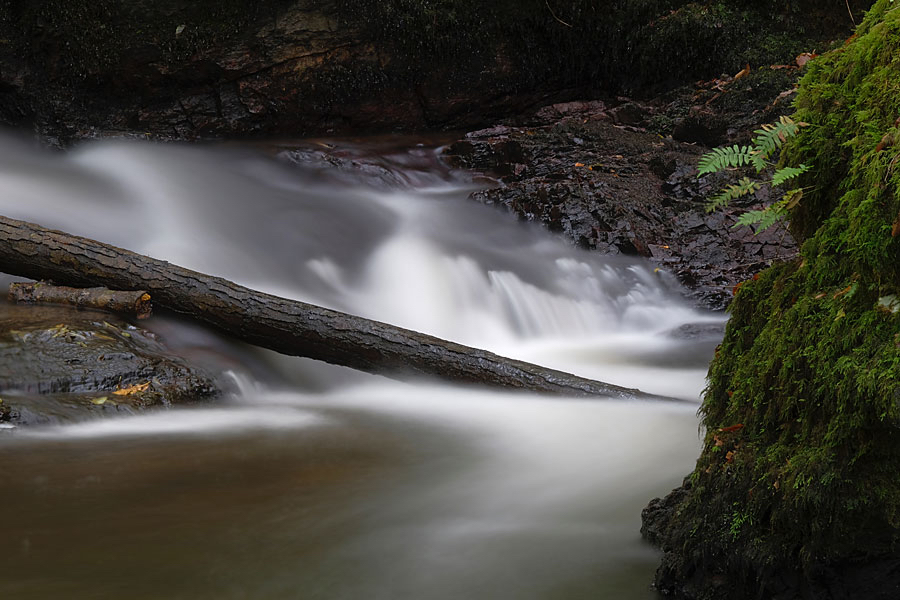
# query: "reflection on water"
387, 491
315, 482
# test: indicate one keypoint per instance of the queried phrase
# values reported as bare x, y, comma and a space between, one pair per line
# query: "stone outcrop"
60, 364
599, 177
173, 70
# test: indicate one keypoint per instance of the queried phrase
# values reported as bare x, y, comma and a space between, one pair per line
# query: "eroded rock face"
60, 364
177, 70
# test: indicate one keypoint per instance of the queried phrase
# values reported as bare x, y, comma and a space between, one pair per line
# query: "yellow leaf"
132, 389
99, 401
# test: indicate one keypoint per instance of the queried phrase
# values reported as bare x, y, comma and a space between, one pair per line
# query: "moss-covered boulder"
797, 491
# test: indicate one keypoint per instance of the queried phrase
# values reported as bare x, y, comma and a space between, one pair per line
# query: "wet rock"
695, 331
630, 113
620, 190
61, 364
700, 128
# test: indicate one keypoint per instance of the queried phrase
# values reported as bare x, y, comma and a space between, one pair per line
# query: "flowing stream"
314, 481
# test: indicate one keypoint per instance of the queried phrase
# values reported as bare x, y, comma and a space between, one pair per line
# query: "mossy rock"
798, 484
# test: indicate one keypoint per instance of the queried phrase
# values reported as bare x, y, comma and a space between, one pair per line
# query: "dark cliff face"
75, 68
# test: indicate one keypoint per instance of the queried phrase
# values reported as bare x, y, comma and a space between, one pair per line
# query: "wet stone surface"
59, 364
619, 189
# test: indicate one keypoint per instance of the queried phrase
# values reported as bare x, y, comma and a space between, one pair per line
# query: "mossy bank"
797, 491
293, 67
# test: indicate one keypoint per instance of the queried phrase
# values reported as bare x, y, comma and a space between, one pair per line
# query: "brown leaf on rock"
132, 389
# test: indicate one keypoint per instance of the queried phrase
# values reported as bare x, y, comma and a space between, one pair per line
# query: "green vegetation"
801, 462
770, 138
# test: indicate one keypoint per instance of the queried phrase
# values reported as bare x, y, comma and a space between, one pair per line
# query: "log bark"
136, 303
286, 326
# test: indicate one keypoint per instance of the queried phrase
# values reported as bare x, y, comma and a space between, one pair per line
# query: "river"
313, 481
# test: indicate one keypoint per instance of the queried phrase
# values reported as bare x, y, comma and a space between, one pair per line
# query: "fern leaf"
758, 158
762, 219
765, 218
792, 198
743, 187
723, 158
772, 136
787, 173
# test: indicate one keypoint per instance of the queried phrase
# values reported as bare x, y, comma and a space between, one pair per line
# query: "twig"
847, 2
133, 303
547, 2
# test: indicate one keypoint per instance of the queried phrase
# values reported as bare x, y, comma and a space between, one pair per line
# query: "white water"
318, 482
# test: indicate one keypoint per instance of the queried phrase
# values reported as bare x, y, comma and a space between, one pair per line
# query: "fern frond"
742, 188
723, 158
787, 173
758, 159
765, 218
792, 198
773, 135
762, 219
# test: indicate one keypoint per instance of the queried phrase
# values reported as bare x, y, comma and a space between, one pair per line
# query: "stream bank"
796, 493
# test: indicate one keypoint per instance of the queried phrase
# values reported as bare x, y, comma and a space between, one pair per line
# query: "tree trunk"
286, 326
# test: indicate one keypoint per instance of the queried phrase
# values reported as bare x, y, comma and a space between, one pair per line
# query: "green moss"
810, 364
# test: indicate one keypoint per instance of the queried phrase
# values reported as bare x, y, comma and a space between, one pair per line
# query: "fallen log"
136, 303
286, 326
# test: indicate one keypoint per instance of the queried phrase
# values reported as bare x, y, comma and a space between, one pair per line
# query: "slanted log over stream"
286, 326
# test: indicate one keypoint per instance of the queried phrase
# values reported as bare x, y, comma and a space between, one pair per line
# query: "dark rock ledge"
59, 364
596, 174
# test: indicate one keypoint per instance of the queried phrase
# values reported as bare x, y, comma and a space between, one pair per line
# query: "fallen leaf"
895, 228
132, 389
843, 291
100, 400
579, 164
804, 58
731, 428
742, 73
729, 456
